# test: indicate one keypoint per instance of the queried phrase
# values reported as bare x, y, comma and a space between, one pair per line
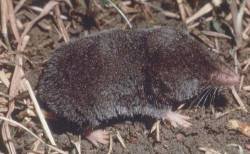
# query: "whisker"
215, 93
212, 96
207, 96
198, 97
203, 96
205, 100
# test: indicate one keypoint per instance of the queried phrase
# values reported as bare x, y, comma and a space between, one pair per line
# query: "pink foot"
177, 119
98, 136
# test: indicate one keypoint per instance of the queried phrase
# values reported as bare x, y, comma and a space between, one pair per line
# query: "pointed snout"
226, 77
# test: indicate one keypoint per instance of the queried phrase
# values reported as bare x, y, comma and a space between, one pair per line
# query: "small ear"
225, 77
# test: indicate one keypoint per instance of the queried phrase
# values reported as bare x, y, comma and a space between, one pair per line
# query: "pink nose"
226, 77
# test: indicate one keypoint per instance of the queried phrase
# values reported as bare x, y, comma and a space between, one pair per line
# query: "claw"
98, 136
177, 119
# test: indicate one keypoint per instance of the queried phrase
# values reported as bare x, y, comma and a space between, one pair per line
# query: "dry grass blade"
7, 138
120, 139
33, 134
77, 144
43, 24
239, 21
110, 144
15, 82
158, 131
237, 17
216, 34
166, 13
19, 5
156, 128
198, 23
153, 128
38, 9
3, 45
12, 19
61, 25
181, 9
48, 7
13, 91
204, 10
4, 15
121, 13
39, 112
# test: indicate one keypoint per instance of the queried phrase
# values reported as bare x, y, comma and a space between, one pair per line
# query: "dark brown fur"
120, 73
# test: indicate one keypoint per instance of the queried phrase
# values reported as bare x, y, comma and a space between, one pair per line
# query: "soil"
207, 131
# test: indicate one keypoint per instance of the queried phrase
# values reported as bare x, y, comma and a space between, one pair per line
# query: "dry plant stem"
239, 23
246, 64
3, 45
13, 91
15, 84
166, 13
156, 128
77, 144
241, 82
198, 23
131, 19
237, 97
181, 9
121, 13
6, 131
120, 139
203, 38
236, 22
61, 25
217, 46
19, 5
110, 144
36, 144
14, 123
158, 131
38, 9
204, 10
43, 24
246, 32
4, 15
39, 113
12, 19
48, 7
216, 34
187, 8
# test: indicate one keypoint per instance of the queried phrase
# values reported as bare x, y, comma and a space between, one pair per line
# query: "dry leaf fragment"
242, 127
